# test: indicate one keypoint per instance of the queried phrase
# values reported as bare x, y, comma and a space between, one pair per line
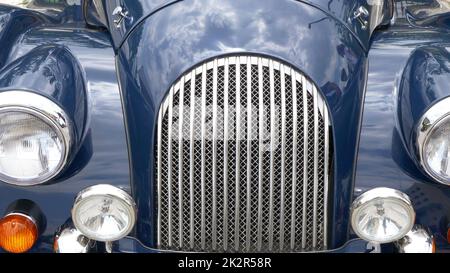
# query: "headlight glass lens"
30, 149
102, 214
382, 216
437, 151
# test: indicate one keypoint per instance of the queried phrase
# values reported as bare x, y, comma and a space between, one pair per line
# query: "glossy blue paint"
430, 14
52, 71
408, 72
65, 60
138, 11
94, 14
405, 67
424, 82
14, 22
342, 11
180, 36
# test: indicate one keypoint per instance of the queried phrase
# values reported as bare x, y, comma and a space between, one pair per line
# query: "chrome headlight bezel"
428, 124
104, 190
373, 195
48, 112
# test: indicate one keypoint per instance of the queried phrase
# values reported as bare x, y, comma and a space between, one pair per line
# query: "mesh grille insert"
242, 162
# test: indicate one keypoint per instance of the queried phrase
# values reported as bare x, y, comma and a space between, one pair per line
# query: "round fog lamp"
104, 213
382, 215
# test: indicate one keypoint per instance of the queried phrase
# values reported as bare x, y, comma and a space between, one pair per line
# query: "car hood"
102, 12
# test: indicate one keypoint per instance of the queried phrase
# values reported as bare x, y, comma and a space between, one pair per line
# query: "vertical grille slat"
249, 153
180, 161
202, 169
272, 148
191, 159
325, 176
305, 161
294, 157
169, 168
225, 155
159, 177
283, 154
260, 153
238, 154
316, 155
243, 160
214, 159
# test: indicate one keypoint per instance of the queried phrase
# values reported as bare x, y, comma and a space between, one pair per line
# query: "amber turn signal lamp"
448, 235
18, 233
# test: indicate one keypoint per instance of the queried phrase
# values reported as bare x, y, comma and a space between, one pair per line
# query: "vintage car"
224, 126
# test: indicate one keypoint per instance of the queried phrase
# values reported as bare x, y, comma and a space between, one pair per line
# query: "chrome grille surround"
231, 176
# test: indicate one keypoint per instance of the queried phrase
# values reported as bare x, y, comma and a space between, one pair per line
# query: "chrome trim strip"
316, 163
180, 159
203, 174
158, 178
326, 178
169, 164
191, 157
214, 164
272, 148
225, 157
283, 153
294, 155
28, 217
238, 151
305, 158
261, 151
249, 150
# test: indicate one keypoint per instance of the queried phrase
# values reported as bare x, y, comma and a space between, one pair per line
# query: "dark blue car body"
377, 82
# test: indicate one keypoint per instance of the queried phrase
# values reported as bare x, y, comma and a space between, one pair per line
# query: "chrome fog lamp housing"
68, 239
35, 138
433, 141
104, 213
418, 240
382, 215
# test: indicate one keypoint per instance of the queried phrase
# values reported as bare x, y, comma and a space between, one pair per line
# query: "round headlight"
34, 138
382, 215
104, 213
433, 141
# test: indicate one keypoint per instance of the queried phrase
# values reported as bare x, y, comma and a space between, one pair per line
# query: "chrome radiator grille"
242, 162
